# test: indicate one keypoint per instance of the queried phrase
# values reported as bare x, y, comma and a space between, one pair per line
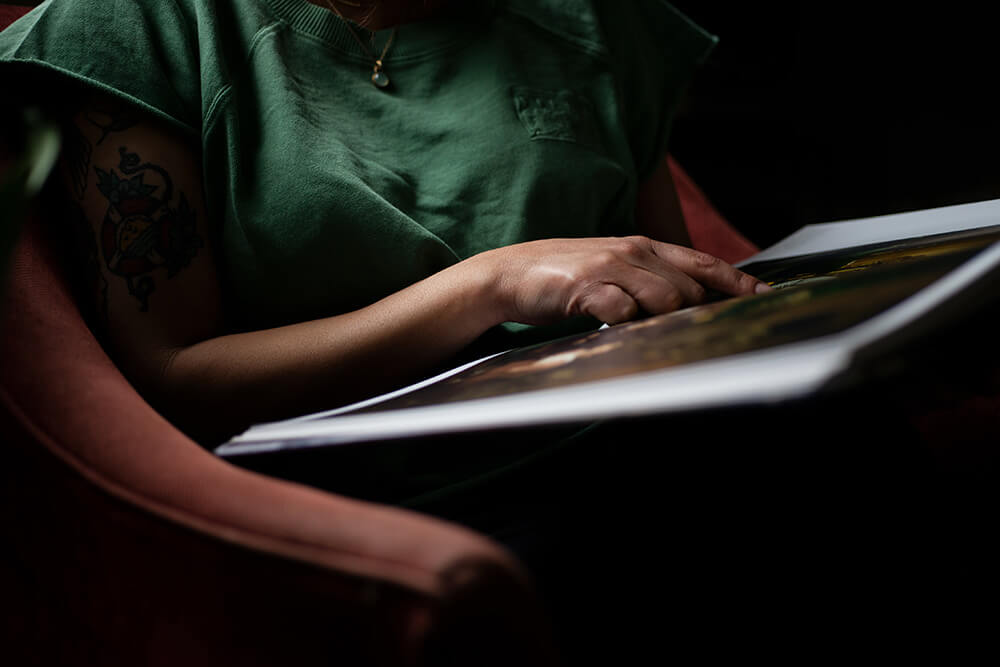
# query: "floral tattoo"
145, 226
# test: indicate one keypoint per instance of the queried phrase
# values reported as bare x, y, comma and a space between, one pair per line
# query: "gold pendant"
379, 78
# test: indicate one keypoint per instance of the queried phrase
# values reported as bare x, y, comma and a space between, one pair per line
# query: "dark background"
810, 112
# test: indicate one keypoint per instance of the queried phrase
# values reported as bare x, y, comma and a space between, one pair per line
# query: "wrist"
484, 288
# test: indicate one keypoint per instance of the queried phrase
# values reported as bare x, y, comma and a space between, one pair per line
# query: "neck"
377, 16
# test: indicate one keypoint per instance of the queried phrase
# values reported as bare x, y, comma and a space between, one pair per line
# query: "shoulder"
641, 27
165, 56
575, 21
80, 23
67, 32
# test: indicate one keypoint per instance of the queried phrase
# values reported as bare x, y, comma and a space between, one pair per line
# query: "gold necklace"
379, 77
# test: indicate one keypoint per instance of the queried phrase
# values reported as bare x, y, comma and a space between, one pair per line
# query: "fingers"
665, 290
708, 270
611, 279
607, 303
653, 284
661, 277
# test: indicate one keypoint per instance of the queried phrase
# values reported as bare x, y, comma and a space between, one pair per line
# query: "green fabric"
325, 193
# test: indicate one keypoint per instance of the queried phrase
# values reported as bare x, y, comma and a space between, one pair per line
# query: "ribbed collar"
413, 41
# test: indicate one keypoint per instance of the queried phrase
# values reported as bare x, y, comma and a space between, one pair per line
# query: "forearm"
221, 385
145, 242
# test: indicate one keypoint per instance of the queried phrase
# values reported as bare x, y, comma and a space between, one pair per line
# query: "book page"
829, 308
828, 236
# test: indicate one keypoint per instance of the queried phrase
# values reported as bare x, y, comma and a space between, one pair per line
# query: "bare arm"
136, 182
138, 186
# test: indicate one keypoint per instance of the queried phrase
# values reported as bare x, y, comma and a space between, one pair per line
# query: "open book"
846, 293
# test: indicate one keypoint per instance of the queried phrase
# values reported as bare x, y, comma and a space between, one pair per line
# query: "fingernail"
762, 287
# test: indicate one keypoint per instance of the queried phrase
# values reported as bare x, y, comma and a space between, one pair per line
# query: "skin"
160, 308
376, 15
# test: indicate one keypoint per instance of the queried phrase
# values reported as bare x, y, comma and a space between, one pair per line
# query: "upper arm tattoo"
77, 150
111, 120
146, 226
76, 153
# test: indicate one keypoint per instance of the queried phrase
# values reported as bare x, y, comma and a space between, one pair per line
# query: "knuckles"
626, 312
606, 303
672, 300
705, 261
606, 278
628, 249
633, 247
605, 259
698, 294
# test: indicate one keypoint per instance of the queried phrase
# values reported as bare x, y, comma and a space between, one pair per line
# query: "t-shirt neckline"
413, 40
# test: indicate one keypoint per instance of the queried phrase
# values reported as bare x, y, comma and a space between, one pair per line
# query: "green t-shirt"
506, 121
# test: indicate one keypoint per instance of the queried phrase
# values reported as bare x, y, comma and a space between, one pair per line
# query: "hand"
610, 279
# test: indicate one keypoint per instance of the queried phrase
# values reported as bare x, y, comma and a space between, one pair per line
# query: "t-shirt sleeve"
139, 50
656, 50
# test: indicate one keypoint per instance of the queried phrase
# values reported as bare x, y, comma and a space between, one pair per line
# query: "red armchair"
125, 543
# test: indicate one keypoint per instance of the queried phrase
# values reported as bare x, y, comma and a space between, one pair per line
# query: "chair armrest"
221, 556
709, 231
10, 13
